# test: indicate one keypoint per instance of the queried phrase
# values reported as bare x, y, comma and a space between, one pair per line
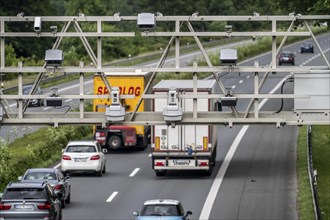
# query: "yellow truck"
122, 136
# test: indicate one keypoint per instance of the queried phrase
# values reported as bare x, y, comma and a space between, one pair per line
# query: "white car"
83, 156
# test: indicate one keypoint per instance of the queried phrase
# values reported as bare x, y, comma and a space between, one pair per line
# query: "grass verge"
321, 162
305, 202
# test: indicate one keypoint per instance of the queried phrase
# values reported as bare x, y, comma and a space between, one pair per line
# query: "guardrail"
312, 174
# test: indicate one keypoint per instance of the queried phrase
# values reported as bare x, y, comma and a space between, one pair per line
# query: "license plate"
80, 160
181, 163
23, 206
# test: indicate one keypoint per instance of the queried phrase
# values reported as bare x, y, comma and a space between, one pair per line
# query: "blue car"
162, 209
307, 47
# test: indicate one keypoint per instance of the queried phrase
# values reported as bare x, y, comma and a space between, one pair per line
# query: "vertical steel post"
195, 93
81, 101
99, 45
274, 44
256, 92
177, 44
20, 92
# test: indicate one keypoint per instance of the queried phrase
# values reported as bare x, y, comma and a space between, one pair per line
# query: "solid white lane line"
57, 166
134, 172
207, 208
218, 179
113, 195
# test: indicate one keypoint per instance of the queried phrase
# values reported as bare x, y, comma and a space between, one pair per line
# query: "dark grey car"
33, 102
55, 177
34, 200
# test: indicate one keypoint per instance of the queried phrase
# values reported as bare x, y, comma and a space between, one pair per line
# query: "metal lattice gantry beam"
230, 118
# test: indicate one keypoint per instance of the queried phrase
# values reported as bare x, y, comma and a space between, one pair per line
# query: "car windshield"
24, 193
306, 44
40, 176
81, 148
160, 210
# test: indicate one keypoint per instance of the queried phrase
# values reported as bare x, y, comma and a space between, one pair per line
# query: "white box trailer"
185, 147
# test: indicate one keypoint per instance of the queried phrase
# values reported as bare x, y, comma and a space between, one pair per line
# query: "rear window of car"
40, 176
287, 54
24, 193
160, 210
81, 148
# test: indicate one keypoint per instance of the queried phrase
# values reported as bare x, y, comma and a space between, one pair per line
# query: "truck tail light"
157, 143
95, 157
100, 136
203, 163
4, 207
66, 157
44, 206
159, 163
205, 143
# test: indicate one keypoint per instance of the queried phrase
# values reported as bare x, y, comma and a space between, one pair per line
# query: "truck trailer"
184, 147
122, 136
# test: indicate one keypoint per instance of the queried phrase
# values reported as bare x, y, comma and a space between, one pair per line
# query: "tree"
305, 7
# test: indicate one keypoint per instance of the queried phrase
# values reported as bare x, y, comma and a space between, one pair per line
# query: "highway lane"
260, 182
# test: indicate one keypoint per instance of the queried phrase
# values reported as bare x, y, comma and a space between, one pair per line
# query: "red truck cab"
115, 136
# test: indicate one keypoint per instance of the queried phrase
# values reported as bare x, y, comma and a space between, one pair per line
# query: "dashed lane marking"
134, 172
113, 195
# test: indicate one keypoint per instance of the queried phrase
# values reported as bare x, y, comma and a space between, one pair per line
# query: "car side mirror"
67, 177
136, 213
63, 150
188, 213
20, 178
1, 196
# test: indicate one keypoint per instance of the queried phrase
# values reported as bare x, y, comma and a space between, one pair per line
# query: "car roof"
26, 184
287, 51
162, 202
88, 142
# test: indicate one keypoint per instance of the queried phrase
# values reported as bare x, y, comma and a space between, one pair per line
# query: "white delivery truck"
185, 147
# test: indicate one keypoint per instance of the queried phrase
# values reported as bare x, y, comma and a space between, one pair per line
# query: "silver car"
55, 177
34, 200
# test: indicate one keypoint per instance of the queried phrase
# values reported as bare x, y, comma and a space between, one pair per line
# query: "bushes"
39, 149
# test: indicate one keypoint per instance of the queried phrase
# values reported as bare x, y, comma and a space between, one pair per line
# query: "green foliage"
304, 6
321, 162
38, 149
304, 200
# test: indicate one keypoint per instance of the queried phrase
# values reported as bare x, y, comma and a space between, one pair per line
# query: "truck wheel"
160, 172
214, 157
209, 171
114, 142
